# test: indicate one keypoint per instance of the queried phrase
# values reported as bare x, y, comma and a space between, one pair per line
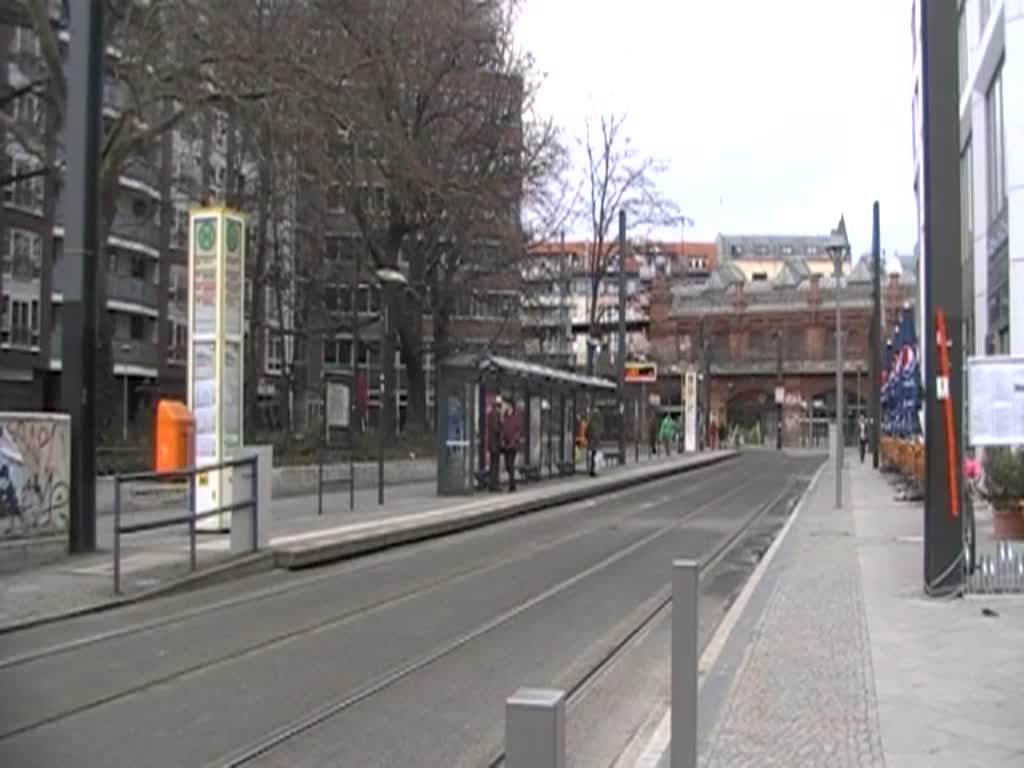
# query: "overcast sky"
775, 116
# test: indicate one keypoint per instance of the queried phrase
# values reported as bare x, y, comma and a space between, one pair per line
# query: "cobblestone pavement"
804, 695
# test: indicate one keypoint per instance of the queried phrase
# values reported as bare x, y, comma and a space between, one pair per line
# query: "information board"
339, 404
215, 360
996, 389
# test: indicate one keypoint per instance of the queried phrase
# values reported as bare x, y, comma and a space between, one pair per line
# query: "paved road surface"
411, 653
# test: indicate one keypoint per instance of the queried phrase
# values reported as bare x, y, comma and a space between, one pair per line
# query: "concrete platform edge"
244, 565
310, 555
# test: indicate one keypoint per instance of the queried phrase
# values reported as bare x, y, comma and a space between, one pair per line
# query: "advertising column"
216, 318
690, 409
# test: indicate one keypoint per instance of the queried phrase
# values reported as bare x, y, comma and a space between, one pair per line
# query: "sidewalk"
299, 537
835, 657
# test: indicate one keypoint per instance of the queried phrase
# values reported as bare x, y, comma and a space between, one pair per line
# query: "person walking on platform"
511, 437
667, 433
494, 418
862, 428
593, 441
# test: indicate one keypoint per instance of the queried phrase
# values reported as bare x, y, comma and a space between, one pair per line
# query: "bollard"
535, 729
684, 664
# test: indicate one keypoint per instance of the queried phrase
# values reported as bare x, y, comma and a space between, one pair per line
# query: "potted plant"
1004, 490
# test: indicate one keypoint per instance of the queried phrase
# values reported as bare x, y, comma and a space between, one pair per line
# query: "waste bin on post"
175, 435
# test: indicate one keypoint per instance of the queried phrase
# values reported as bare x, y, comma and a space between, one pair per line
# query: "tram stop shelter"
549, 402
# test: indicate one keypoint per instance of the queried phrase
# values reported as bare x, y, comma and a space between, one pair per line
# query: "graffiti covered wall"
35, 461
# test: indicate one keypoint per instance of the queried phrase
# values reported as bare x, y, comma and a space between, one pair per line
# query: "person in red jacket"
511, 436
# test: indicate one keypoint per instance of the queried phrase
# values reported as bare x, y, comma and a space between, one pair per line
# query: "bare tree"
431, 149
616, 177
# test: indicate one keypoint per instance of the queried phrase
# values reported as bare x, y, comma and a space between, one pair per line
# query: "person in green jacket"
667, 433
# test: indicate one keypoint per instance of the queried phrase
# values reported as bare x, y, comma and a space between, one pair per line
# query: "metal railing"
191, 517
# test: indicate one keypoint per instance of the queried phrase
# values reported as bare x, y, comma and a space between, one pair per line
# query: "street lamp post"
779, 389
389, 279
837, 247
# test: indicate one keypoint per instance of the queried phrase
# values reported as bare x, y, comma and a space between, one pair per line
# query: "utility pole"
837, 248
943, 533
622, 337
876, 335
81, 247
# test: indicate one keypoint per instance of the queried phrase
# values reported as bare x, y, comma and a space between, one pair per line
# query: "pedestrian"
653, 436
667, 433
863, 430
593, 440
511, 437
494, 418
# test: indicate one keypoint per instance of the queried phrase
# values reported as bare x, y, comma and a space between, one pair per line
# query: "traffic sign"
641, 373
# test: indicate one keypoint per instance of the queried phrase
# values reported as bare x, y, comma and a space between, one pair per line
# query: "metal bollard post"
117, 536
192, 520
535, 729
684, 664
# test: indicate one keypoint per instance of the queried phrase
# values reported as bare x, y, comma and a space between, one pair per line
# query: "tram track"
252, 753
478, 605
334, 619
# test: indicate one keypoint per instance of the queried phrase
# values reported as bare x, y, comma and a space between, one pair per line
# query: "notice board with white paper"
995, 387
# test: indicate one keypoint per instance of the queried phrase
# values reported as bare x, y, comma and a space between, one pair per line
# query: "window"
26, 42
812, 250
759, 277
19, 324
177, 289
338, 352
786, 250
338, 298
369, 299
178, 352
996, 142
274, 352
26, 192
140, 209
24, 256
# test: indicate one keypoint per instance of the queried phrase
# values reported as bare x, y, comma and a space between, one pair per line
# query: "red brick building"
770, 321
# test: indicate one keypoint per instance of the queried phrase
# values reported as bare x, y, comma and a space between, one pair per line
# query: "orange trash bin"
175, 432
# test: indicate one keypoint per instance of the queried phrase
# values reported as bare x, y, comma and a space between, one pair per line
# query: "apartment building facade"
558, 284
203, 160
990, 79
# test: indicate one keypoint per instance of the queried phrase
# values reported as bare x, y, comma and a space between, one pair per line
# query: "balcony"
143, 170
135, 352
143, 231
133, 290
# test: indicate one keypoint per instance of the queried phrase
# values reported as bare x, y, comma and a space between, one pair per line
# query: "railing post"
351, 479
192, 520
255, 508
684, 664
117, 535
320, 483
535, 729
